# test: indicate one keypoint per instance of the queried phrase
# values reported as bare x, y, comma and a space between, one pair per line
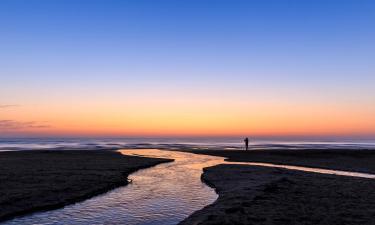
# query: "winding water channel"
164, 194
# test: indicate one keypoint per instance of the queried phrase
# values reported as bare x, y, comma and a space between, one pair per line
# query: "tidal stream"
163, 194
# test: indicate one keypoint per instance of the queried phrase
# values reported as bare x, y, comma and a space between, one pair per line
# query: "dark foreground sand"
42, 180
261, 195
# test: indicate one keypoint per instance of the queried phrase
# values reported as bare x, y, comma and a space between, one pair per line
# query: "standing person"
246, 143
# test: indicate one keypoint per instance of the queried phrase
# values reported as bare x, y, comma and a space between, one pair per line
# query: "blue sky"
308, 52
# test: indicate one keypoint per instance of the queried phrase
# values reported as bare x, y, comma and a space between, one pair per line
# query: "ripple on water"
164, 194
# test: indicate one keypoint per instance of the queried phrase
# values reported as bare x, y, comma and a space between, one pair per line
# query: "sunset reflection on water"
163, 194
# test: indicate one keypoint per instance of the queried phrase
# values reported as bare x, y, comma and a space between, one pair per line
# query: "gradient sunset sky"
187, 68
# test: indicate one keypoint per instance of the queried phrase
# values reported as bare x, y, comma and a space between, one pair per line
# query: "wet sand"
263, 195
258, 195
43, 180
346, 160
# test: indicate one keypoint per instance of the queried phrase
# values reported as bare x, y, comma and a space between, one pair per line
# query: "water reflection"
308, 169
164, 194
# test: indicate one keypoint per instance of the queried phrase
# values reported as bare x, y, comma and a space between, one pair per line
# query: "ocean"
9, 144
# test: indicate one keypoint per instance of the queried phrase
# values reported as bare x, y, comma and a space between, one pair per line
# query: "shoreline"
40, 180
264, 195
57, 175
259, 195
351, 160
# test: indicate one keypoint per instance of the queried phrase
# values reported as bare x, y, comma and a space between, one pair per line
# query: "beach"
187, 112
42, 180
338, 159
263, 195
258, 195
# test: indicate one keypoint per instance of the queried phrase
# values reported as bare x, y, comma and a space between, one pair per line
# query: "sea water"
7, 144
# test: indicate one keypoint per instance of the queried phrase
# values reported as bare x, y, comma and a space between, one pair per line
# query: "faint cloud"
7, 106
15, 125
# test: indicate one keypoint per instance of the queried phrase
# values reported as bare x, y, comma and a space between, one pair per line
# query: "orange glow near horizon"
192, 118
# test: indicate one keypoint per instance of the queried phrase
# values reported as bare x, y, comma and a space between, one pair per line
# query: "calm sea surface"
173, 143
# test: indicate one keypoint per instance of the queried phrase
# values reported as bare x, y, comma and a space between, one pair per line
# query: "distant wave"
171, 143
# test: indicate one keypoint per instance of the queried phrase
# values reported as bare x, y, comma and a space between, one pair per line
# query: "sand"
347, 160
260, 195
43, 180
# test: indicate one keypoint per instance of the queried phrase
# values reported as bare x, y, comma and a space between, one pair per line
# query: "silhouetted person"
246, 143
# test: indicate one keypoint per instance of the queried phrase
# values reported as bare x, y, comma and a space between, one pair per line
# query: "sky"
187, 68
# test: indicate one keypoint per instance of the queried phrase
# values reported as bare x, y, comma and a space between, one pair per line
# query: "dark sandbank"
260, 195
263, 195
43, 180
346, 160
